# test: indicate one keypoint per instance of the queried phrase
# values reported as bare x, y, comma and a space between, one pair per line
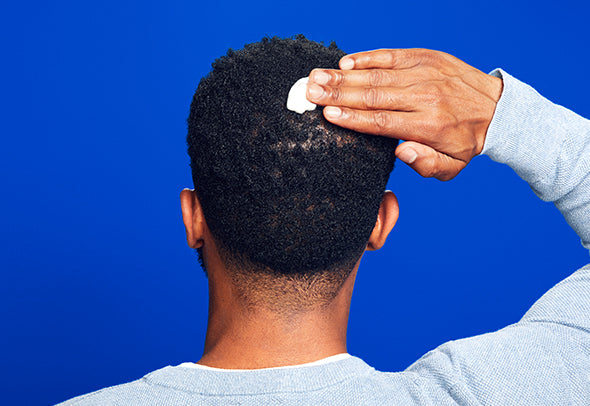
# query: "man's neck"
246, 337
265, 342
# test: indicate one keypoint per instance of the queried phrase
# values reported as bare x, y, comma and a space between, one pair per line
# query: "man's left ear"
386, 219
192, 216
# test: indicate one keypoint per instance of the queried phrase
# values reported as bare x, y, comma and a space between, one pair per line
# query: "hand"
440, 105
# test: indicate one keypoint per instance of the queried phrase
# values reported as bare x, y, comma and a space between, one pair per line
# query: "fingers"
365, 98
394, 124
428, 162
437, 103
365, 77
386, 59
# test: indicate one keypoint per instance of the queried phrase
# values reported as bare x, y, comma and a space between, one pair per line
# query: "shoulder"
524, 363
138, 392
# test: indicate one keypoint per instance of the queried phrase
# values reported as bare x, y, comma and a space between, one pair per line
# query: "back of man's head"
285, 195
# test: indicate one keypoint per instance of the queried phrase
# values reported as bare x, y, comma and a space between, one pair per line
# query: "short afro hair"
281, 192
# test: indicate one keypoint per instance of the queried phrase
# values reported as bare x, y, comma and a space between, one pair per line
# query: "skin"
242, 336
438, 104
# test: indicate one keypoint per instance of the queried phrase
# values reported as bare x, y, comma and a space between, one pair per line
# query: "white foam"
297, 100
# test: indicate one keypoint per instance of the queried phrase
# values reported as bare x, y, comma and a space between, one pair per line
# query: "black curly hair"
282, 193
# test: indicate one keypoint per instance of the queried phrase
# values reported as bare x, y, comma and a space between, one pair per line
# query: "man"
284, 205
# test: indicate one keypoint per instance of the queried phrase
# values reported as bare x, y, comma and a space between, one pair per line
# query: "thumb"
428, 162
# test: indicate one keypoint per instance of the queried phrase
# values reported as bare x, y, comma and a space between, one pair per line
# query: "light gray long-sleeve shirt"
544, 359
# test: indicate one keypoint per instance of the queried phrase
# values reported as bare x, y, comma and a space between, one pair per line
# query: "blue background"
97, 284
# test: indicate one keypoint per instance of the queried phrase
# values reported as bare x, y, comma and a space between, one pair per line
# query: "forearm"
548, 146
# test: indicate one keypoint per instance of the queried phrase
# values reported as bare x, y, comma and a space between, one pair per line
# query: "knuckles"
336, 77
334, 94
371, 97
431, 58
376, 77
382, 121
433, 95
429, 168
434, 168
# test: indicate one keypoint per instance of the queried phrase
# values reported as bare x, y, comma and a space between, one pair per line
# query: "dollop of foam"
297, 101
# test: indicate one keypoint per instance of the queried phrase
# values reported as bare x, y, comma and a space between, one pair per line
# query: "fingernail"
346, 63
408, 155
314, 91
320, 77
332, 112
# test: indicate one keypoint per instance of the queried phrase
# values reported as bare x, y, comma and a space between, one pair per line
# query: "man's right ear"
193, 218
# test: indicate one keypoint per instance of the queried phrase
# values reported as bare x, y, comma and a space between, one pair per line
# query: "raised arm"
548, 146
448, 112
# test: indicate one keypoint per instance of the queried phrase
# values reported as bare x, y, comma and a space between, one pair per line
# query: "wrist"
492, 90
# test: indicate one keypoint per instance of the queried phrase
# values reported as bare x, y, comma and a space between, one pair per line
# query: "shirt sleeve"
544, 359
548, 146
